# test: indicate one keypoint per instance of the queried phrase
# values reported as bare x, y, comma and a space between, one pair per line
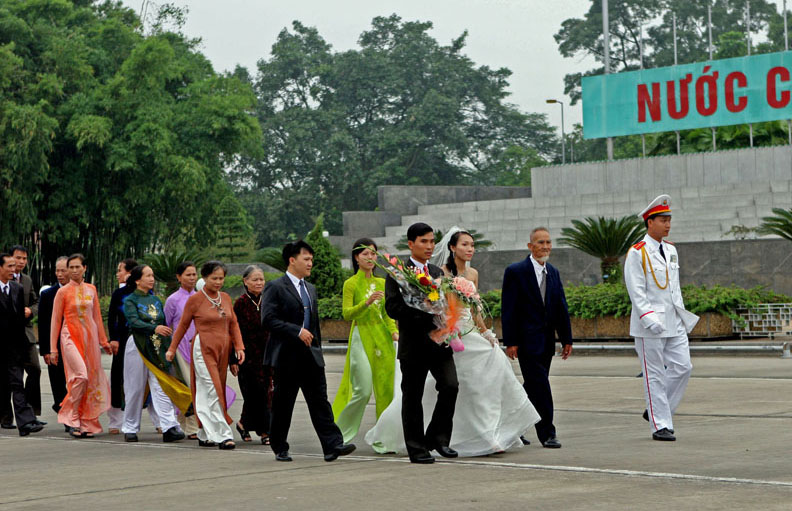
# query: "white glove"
490, 336
656, 328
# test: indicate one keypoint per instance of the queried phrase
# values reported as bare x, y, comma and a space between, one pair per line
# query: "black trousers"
32, 384
117, 376
57, 378
23, 412
254, 382
438, 433
310, 378
536, 371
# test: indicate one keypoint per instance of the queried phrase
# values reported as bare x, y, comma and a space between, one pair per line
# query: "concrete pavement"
732, 453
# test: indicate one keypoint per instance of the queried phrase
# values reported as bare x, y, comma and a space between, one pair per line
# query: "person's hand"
490, 336
163, 330
436, 335
566, 350
53, 357
240, 354
511, 352
395, 336
114, 347
376, 295
47, 359
306, 337
170, 355
234, 369
108, 349
656, 328
28, 312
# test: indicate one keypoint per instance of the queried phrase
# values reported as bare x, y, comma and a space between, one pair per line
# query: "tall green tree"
400, 109
113, 142
327, 274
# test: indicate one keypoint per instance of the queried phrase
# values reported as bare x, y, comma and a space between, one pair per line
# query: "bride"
492, 409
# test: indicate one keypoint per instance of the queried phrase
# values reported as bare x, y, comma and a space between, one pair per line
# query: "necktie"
543, 284
661, 251
306, 306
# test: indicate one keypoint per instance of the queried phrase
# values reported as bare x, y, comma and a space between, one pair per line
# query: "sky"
516, 34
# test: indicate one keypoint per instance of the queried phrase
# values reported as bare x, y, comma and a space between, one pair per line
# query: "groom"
419, 355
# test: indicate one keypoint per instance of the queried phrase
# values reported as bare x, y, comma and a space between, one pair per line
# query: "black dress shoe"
446, 452
423, 458
524, 440
8, 425
130, 437
206, 443
341, 450
29, 428
43, 423
552, 443
172, 435
664, 435
283, 456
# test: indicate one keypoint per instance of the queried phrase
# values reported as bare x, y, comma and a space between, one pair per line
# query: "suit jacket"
31, 300
527, 322
282, 315
12, 324
414, 325
116, 320
46, 301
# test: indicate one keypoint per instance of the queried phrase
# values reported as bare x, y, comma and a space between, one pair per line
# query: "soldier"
659, 321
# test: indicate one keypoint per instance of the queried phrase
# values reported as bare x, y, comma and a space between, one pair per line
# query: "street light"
563, 142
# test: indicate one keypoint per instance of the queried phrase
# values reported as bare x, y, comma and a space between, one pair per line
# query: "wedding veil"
441, 256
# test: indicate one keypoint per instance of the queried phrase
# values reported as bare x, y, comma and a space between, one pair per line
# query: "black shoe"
552, 443
29, 428
43, 423
664, 435
646, 415
67, 429
130, 437
227, 445
172, 435
423, 458
446, 452
341, 450
524, 440
283, 456
8, 425
206, 443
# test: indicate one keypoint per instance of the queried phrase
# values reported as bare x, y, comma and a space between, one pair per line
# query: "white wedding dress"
492, 409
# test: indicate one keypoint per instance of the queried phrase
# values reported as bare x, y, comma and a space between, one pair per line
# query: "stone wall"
746, 263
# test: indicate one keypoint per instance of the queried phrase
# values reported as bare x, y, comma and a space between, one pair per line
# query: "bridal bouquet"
419, 290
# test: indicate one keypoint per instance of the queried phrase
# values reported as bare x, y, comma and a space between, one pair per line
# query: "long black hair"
451, 262
135, 275
358, 247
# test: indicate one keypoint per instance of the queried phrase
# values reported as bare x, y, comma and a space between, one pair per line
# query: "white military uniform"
653, 284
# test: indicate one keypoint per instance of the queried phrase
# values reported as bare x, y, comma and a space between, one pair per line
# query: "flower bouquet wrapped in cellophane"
418, 289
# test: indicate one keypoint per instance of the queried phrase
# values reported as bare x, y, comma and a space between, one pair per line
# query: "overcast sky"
517, 34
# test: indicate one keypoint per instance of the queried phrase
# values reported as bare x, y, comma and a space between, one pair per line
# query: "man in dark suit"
31, 364
534, 310
57, 376
289, 311
419, 355
15, 345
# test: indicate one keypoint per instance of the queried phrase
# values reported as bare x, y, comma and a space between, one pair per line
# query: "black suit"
31, 364
532, 326
296, 366
57, 376
15, 348
119, 331
419, 355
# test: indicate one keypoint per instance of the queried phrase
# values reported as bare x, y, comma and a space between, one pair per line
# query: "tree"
400, 109
779, 224
164, 265
605, 238
583, 36
234, 230
113, 142
327, 274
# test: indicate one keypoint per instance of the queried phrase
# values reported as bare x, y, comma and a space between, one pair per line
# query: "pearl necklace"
217, 303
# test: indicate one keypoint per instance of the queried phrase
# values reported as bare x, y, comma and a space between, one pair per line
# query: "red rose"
424, 281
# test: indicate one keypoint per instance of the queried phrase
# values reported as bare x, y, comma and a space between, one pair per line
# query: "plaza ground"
733, 452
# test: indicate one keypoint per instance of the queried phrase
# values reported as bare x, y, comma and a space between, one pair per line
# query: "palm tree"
605, 238
780, 224
164, 265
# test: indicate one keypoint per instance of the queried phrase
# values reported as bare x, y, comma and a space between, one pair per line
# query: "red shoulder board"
669, 242
639, 245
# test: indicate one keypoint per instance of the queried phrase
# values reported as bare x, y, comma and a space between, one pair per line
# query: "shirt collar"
418, 264
294, 279
653, 243
538, 267
17, 276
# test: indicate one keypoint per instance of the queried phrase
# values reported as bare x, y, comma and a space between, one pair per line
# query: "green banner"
715, 93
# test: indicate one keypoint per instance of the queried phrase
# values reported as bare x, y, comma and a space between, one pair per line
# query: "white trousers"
666, 367
214, 427
189, 425
136, 375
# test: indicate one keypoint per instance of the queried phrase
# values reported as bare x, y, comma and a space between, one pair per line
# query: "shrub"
331, 307
327, 274
164, 266
492, 299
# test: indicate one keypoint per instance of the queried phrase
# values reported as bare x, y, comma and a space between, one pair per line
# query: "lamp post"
563, 141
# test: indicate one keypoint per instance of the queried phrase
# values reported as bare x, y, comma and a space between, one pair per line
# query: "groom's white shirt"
419, 265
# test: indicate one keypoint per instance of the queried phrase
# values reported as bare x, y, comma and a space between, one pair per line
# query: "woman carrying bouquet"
492, 409
371, 356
